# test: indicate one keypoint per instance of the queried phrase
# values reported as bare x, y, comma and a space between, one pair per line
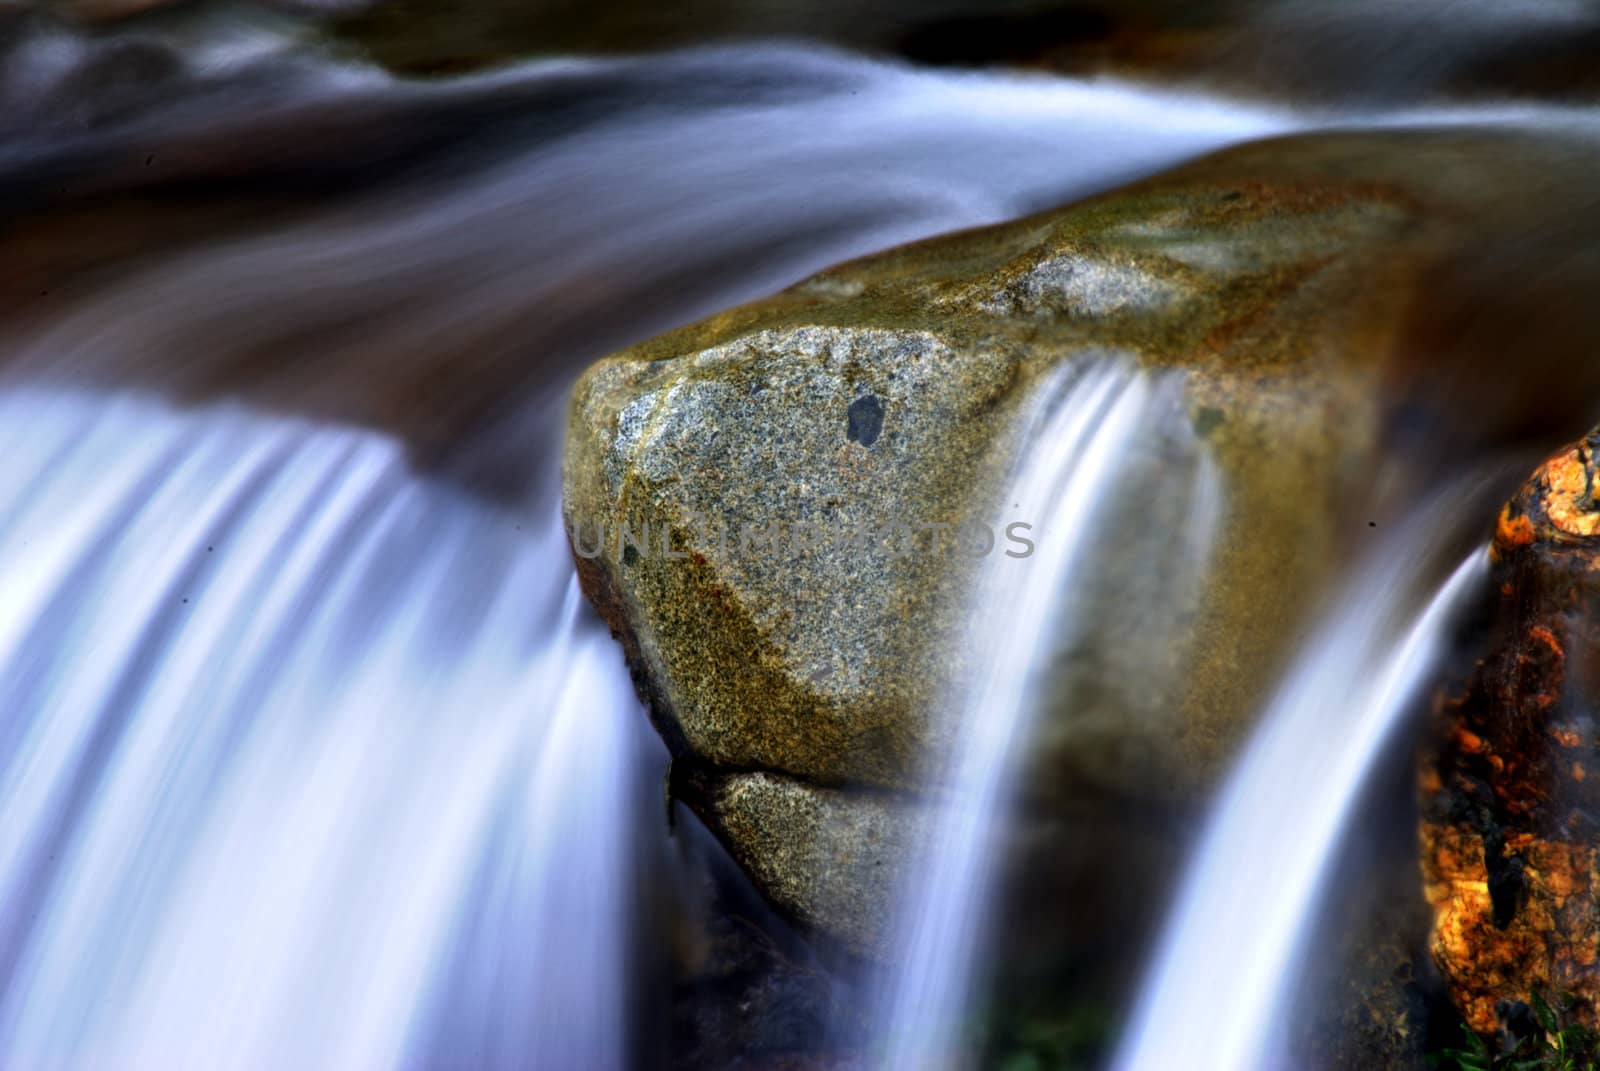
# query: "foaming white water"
1075, 452
1226, 963
305, 762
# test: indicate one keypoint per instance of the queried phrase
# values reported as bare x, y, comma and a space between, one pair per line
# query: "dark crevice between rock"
1506, 882
748, 988
696, 786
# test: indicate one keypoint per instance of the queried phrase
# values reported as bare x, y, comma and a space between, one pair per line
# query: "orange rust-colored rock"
1510, 817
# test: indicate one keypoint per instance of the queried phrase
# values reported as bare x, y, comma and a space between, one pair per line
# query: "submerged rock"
1511, 818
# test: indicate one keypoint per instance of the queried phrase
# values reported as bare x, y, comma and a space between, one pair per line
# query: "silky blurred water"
310, 754
1081, 436
1248, 903
307, 762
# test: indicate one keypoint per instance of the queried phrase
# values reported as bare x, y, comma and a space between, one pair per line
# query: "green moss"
1555, 1039
1036, 1040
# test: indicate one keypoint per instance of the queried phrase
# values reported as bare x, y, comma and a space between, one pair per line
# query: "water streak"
1075, 456
1227, 962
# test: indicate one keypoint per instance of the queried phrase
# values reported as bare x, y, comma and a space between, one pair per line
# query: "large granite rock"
890, 390
1300, 295
1511, 790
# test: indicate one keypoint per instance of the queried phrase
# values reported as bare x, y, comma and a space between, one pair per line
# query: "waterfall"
1226, 964
1074, 461
286, 783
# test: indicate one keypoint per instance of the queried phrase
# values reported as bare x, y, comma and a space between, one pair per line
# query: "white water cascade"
1226, 964
1074, 459
276, 766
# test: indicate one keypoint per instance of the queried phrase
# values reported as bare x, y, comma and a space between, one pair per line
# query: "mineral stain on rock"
866, 419
1208, 420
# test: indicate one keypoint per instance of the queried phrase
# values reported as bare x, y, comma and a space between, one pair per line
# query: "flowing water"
294, 739
1081, 441
310, 755
1248, 902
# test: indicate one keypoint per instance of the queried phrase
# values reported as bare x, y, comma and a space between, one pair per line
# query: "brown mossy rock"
1511, 819
1275, 281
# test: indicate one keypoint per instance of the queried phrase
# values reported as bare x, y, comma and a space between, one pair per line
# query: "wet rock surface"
1303, 292
824, 856
1272, 280
1511, 801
